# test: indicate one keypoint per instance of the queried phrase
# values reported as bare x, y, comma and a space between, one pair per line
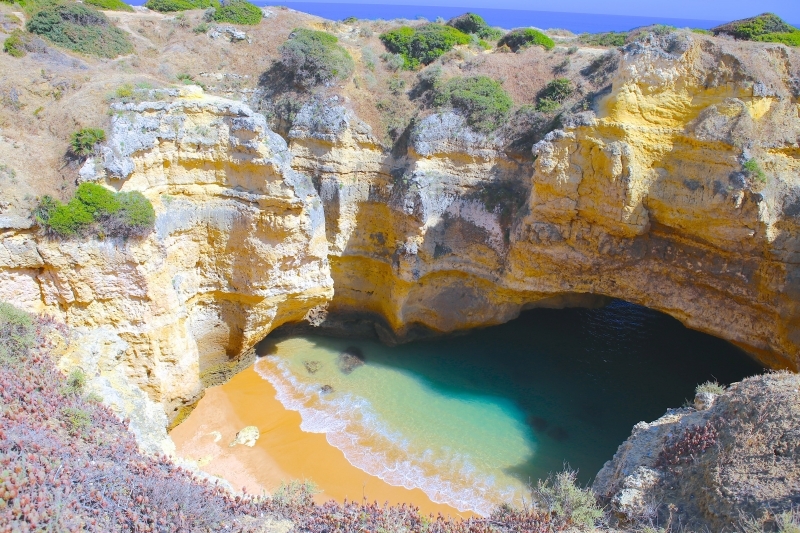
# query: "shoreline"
282, 453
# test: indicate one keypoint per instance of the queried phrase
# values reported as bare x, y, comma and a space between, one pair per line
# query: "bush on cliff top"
80, 28
169, 6
475, 24
610, 38
96, 209
315, 58
522, 38
238, 12
422, 45
110, 5
766, 27
480, 98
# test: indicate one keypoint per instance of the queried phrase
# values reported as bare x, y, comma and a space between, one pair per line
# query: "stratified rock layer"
642, 197
239, 248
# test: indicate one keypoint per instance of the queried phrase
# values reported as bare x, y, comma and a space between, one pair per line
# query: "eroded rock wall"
642, 197
238, 248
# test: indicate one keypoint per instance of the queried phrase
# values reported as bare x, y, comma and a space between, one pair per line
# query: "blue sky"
687, 9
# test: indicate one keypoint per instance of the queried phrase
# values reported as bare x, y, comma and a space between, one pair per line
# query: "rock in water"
350, 359
538, 423
312, 366
247, 436
326, 389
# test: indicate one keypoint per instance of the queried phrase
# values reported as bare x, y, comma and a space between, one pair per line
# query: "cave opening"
473, 418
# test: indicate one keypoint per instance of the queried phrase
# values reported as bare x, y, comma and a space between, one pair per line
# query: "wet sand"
283, 451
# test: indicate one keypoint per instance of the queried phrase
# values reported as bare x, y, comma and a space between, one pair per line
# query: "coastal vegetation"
80, 28
314, 57
95, 209
424, 44
169, 6
110, 5
475, 24
554, 94
83, 142
238, 12
767, 27
522, 38
481, 99
609, 38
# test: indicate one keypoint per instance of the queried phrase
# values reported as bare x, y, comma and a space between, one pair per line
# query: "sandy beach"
283, 451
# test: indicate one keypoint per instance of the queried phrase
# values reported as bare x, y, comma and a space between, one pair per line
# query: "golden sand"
283, 451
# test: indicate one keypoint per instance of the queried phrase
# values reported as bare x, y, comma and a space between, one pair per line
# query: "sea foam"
351, 425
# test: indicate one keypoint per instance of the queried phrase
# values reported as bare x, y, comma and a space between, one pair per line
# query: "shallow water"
472, 419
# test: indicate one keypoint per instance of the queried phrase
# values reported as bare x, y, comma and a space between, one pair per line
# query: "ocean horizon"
503, 18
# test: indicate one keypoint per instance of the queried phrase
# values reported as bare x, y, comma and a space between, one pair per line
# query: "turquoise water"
472, 419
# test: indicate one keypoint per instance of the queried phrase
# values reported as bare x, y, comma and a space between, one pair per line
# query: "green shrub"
97, 200
46, 205
16, 334
701, 31
546, 105
136, 212
14, 44
83, 141
474, 24
111, 5
789, 39
568, 504
554, 94
766, 27
76, 419
753, 169
238, 12
422, 45
122, 214
480, 98
69, 219
201, 28
169, 6
81, 29
524, 37
610, 38
314, 57
709, 386
558, 90
76, 381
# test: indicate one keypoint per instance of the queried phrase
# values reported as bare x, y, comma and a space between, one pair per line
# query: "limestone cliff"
643, 196
238, 248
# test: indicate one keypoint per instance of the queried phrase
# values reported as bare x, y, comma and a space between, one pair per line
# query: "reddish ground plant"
691, 443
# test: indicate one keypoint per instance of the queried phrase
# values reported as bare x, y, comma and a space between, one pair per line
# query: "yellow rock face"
642, 198
238, 249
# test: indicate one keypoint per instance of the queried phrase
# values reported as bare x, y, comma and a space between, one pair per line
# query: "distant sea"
504, 18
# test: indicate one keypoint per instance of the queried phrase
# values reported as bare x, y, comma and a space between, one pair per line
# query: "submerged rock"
326, 389
350, 359
558, 433
247, 436
538, 423
312, 367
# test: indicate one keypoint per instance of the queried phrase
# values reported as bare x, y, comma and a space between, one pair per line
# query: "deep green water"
471, 419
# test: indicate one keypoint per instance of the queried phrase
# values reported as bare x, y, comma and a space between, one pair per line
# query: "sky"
789, 10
